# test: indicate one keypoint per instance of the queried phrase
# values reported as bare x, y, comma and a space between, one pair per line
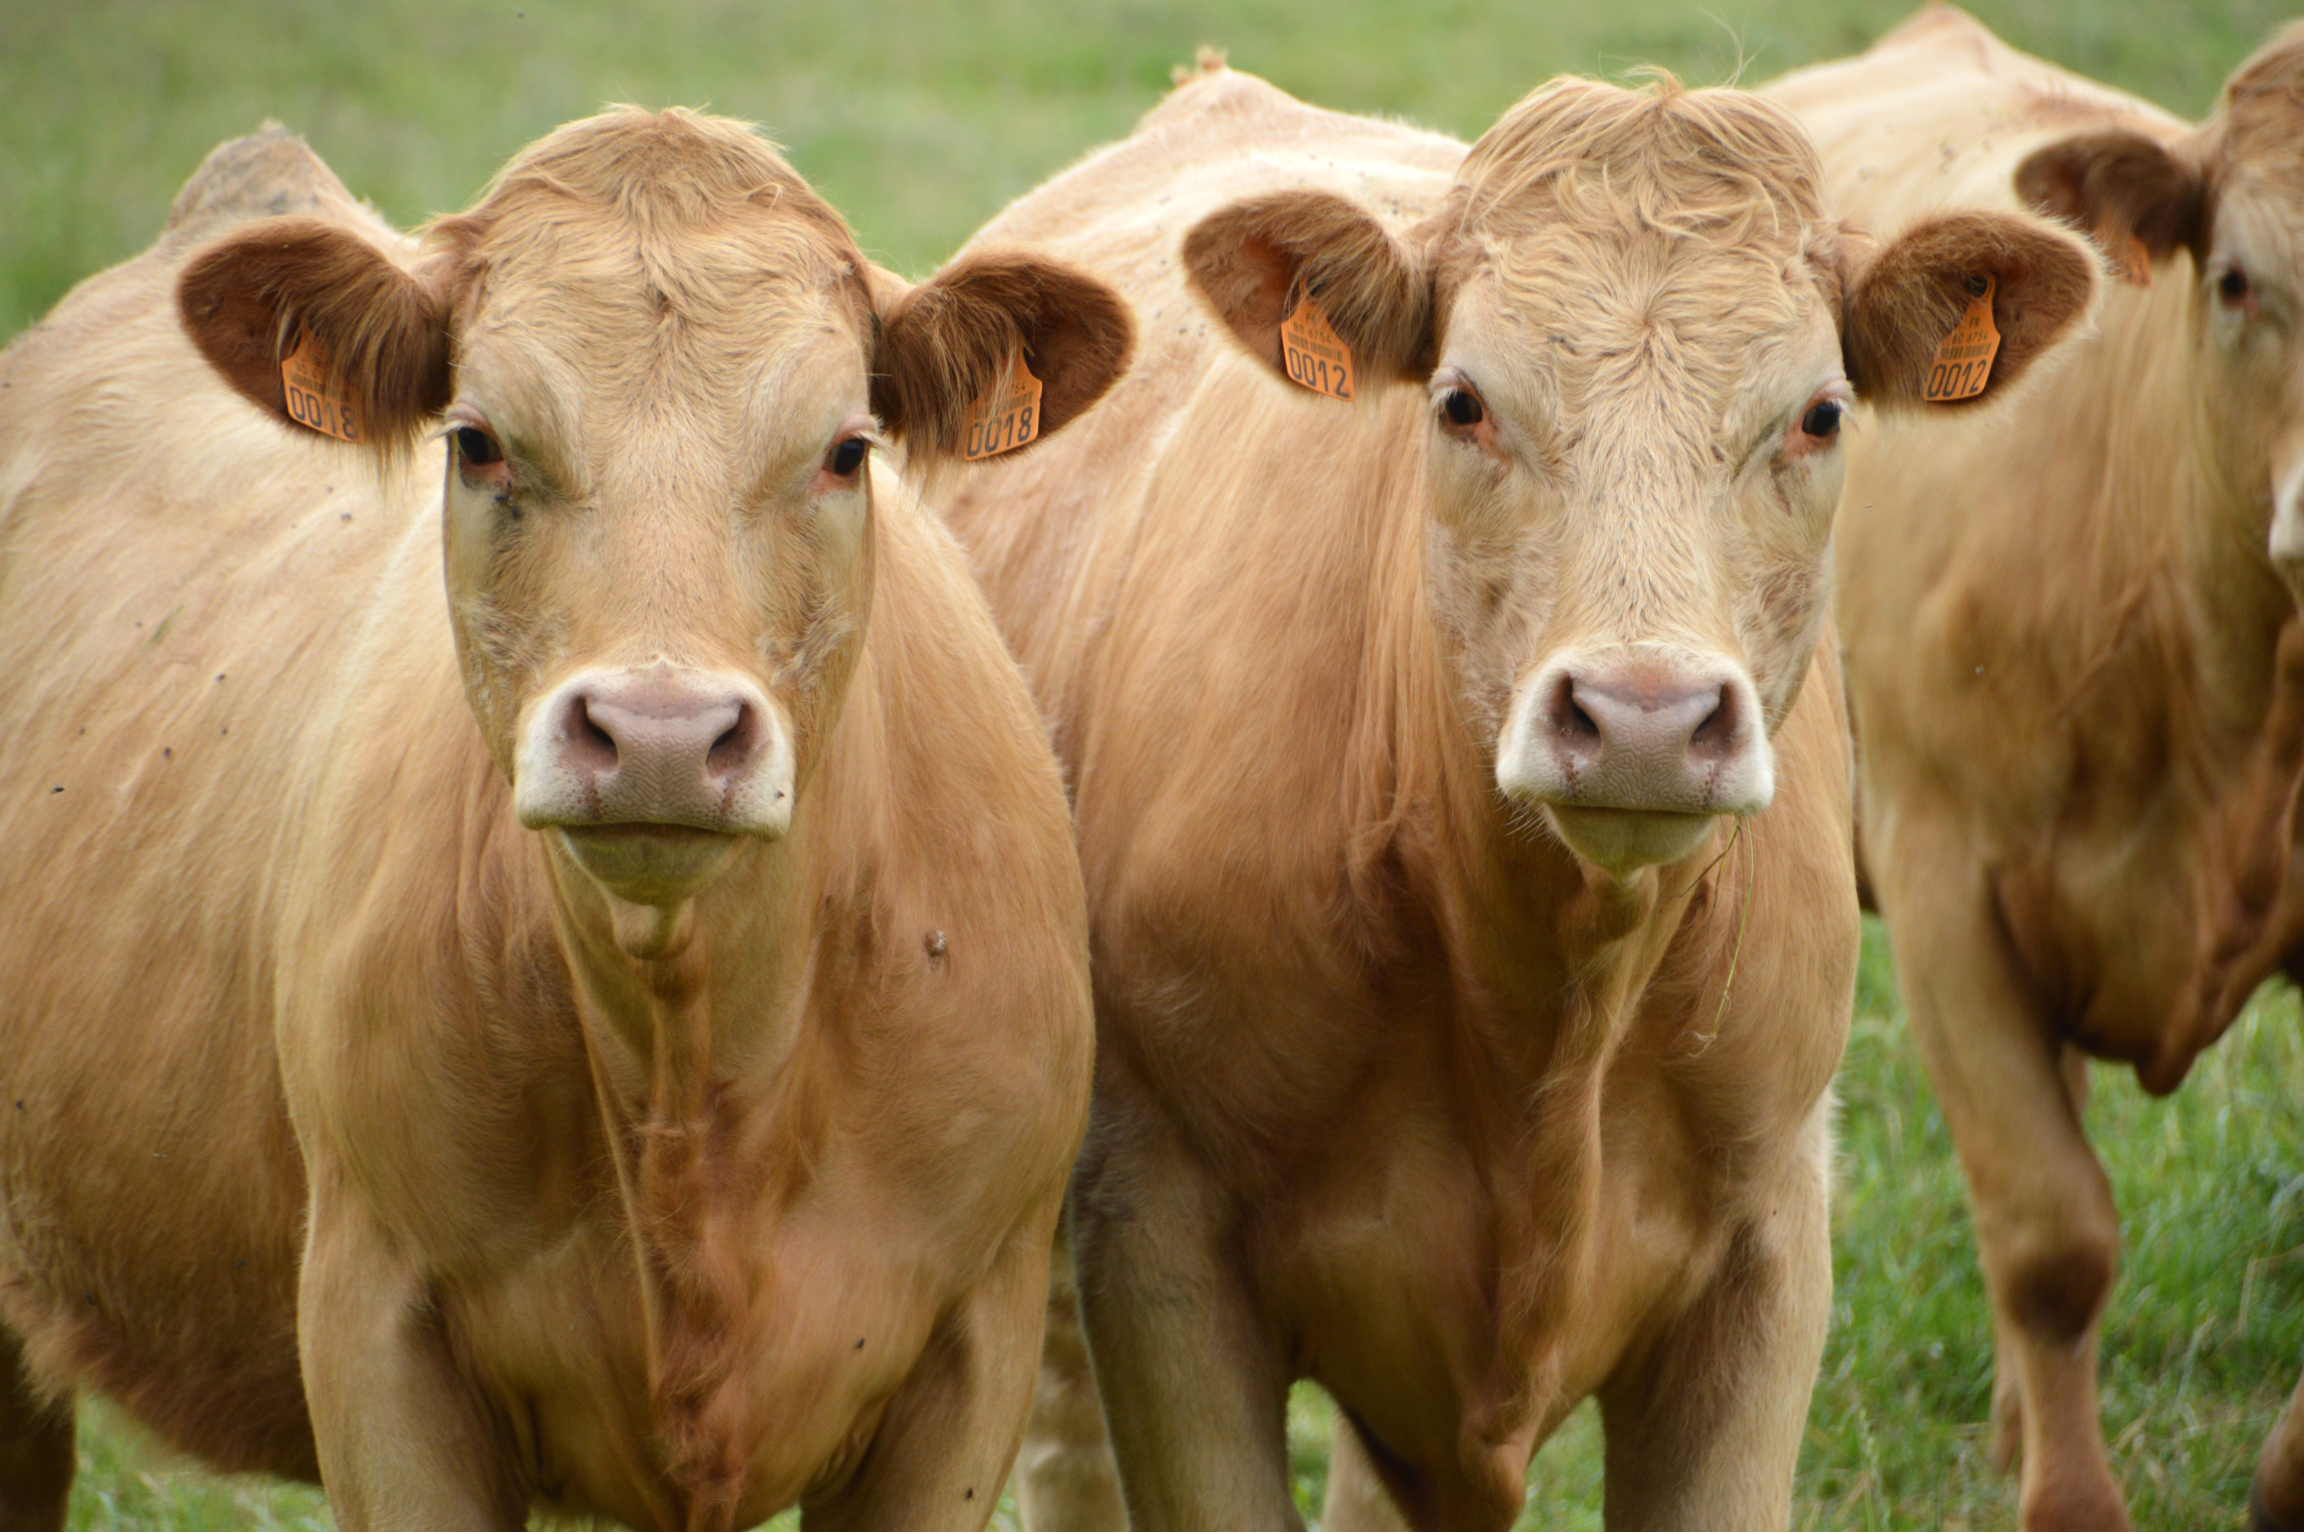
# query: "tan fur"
1394, 1091
350, 1128
2075, 663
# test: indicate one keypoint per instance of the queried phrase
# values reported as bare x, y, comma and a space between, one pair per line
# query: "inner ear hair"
1902, 304
247, 300
2114, 182
1255, 260
946, 343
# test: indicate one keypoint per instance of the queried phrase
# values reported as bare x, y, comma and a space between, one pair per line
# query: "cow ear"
2119, 185
950, 343
1255, 260
1898, 308
370, 339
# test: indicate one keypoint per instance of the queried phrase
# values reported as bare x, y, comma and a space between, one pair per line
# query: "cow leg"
2007, 1393
1703, 1428
2045, 1224
2276, 1496
1065, 1477
948, 1436
403, 1442
37, 1447
1357, 1497
1195, 1394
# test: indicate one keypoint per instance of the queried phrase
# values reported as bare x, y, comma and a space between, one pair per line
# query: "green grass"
918, 121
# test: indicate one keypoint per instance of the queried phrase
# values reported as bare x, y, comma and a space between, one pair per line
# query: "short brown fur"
2076, 664
353, 1128
1396, 1090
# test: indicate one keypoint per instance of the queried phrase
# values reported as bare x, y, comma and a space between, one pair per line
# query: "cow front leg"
1065, 1477
947, 1438
1195, 1393
1703, 1424
2276, 1496
37, 1448
404, 1442
1357, 1497
2045, 1223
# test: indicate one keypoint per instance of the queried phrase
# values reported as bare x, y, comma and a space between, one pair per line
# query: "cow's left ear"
949, 344
1898, 307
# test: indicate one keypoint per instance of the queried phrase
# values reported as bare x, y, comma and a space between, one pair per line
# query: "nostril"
584, 743
1717, 735
1567, 717
733, 748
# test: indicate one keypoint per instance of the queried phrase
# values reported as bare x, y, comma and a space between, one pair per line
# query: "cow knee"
2054, 1288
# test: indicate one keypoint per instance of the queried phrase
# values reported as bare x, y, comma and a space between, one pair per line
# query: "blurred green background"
918, 122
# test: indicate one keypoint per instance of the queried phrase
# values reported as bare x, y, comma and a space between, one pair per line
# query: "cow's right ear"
366, 334
1900, 306
2116, 185
1255, 260
948, 345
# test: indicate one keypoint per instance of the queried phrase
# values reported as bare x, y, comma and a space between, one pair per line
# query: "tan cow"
2075, 661
654, 1102
1462, 797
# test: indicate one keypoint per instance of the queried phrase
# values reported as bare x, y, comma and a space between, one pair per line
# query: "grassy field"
918, 121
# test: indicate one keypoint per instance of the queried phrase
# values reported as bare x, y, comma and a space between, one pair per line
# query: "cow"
2073, 654
545, 966
1461, 787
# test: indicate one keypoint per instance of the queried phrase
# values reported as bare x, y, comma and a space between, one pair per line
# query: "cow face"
1639, 338
2231, 195
658, 369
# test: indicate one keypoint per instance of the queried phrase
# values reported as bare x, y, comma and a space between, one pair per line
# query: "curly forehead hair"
1722, 165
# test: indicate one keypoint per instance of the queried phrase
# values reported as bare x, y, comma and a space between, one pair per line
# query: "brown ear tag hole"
1003, 421
2129, 260
316, 397
1313, 354
1963, 361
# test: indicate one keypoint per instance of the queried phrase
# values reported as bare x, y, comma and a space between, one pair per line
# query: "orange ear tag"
1963, 360
2129, 260
316, 397
1315, 355
1005, 422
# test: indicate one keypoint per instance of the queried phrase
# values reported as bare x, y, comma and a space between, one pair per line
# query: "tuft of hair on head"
1709, 162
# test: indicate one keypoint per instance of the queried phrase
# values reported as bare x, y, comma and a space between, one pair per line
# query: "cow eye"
1822, 419
2232, 287
848, 457
1462, 407
475, 447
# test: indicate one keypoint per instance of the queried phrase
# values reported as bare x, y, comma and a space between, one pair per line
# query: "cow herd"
655, 874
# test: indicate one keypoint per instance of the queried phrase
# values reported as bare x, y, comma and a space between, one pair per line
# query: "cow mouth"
647, 863
1623, 841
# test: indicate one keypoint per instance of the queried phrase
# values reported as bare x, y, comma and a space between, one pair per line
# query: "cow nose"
1667, 734
1641, 726
657, 747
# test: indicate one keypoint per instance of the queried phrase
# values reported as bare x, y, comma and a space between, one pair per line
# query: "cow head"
2229, 197
1640, 336
657, 367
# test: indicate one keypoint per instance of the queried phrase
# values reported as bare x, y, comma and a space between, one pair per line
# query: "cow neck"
1547, 960
2171, 543
2177, 571
688, 1053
